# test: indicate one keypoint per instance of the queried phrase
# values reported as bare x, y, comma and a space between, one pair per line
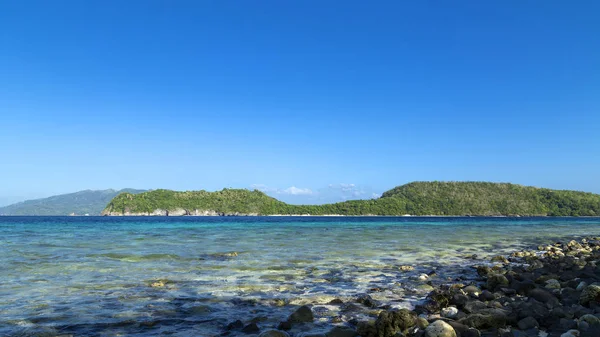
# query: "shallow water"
182, 276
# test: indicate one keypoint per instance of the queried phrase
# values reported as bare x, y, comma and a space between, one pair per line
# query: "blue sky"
309, 100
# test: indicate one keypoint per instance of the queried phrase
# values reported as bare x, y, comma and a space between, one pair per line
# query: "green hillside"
83, 202
418, 198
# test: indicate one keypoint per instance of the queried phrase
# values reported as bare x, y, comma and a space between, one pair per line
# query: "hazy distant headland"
417, 198
90, 202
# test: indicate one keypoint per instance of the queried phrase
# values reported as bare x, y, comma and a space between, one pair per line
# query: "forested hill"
417, 198
80, 203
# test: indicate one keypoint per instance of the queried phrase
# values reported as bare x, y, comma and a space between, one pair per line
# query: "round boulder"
302, 315
496, 280
589, 294
590, 319
440, 329
449, 312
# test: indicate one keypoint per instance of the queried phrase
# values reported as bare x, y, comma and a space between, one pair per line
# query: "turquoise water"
182, 276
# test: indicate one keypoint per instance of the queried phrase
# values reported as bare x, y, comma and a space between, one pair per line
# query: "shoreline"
549, 291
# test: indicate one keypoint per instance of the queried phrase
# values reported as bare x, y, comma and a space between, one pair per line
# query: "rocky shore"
550, 291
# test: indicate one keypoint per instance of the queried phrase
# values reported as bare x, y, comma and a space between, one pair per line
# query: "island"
417, 198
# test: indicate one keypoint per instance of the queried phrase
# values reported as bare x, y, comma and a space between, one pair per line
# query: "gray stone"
496, 280
571, 333
302, 315
590, 319
440, 328
422, 323
544, 297
449, 312
589, 294
528, 323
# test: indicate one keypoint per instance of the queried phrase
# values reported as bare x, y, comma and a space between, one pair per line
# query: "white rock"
423, 277
449, 312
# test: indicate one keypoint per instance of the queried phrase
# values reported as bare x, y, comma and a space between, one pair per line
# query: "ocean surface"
191, 276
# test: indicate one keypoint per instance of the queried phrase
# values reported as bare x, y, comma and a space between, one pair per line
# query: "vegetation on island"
417, 198
78, 203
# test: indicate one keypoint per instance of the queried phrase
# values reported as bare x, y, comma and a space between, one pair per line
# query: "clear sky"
306, 99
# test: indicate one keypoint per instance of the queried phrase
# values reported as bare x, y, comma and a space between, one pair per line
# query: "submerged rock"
251, 328
499, 258
302, 315
235, 325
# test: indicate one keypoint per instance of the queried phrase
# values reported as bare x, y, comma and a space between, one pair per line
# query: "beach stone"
463, 330
342, 331
336, 301
508, 291
302, 315
422, 323
581, 286
543, 296
251, 328
287, 325
472, 290
460, 300
388, 323
273, 333
499, 258
449, 312
488, 318
367, 301
590, 319
440, 328
589, 294
583, 325
235, 325
552, 284
474, 306
528, 323
571, 333
407, 268
483, 271
496, 280
567, 324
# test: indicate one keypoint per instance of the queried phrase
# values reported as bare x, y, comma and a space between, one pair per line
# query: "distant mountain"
80, 203
417, 198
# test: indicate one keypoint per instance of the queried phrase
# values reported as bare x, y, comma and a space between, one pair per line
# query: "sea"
192, 276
